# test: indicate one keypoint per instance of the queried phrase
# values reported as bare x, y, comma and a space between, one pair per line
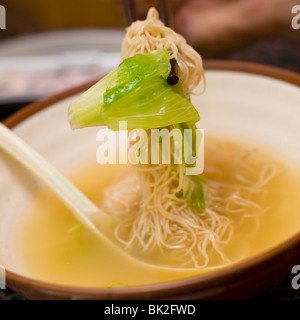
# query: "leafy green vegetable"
186, 142
77, 228
136, 92
118, 285
193, 192
193, 186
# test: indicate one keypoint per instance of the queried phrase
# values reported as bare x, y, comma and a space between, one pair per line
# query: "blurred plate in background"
36, 66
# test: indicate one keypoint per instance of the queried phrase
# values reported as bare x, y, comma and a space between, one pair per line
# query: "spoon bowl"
83, 209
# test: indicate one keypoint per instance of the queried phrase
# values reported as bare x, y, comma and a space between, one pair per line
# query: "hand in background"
217, 26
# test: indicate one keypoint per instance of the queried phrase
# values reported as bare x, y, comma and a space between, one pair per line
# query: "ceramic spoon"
82, 208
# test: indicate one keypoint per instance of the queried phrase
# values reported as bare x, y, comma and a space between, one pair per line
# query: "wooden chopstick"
131, 17
163, 12
130, 11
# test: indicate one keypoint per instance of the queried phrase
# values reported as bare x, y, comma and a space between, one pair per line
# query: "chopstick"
163, 12
173, 76
130, 11
131, 17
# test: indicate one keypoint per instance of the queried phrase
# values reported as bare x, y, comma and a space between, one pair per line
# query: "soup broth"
53, 247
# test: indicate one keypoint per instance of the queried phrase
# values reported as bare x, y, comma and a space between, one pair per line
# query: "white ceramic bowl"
248, 100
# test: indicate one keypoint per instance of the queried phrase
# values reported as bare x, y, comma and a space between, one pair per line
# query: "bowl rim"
166, 287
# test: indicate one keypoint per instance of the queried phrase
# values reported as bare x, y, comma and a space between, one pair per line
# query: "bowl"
244, 99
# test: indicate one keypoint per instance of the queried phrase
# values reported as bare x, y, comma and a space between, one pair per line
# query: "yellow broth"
51, 248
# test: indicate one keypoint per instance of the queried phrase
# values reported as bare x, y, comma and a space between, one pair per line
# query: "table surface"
274, 52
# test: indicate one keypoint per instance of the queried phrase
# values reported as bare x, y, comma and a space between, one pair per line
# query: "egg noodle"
151, 35
151, 214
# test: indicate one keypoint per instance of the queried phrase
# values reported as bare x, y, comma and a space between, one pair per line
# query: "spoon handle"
82, 208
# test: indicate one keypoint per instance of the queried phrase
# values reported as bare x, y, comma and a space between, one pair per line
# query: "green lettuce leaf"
136, 92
